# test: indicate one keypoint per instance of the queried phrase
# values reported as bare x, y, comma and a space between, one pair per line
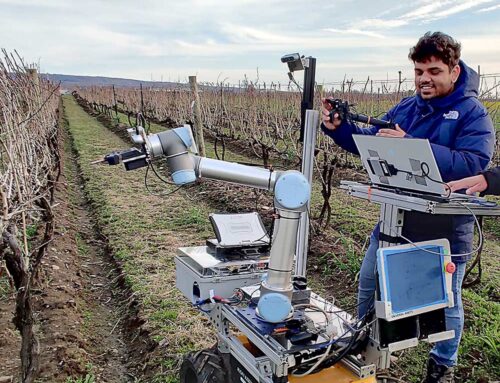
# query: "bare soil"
83, 313
10, 341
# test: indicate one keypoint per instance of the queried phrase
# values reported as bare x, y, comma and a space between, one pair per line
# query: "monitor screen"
415, 278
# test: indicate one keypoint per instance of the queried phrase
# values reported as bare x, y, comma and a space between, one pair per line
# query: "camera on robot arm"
344, 113
133, 158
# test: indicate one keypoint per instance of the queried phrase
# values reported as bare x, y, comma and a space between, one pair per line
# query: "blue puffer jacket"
462, 139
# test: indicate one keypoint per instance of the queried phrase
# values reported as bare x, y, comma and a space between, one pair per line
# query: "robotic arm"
291, 194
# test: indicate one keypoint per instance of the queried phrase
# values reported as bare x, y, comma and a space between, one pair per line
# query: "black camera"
294, 62
290, 57
338, 107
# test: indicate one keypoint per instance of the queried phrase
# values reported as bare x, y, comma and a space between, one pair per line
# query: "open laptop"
403, 164
236, 230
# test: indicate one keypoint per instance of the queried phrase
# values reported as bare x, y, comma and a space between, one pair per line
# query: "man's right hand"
472, 184
327, 108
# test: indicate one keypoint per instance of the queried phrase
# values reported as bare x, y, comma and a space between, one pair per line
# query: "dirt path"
82, 312
81, 309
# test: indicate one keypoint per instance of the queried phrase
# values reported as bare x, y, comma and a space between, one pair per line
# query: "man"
446, 111
486, 183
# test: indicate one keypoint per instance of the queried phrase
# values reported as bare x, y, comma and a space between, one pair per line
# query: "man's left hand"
397, 132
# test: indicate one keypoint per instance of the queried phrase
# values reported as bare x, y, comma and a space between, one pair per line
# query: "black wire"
329, 361
333, 359
261, 239
406, 172
159, 177
157, 194
251, 301
350, 307
291, 219
424, 167
270, 167
426, 174
292, 79
343, 352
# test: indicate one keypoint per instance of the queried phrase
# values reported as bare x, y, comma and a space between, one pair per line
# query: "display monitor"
414, 279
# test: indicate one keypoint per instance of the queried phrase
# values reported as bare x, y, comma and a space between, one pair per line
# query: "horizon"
225, 40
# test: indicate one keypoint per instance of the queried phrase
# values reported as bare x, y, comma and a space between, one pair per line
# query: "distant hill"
70, 81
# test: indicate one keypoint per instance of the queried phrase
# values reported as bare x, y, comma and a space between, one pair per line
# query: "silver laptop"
401, 163
244, 229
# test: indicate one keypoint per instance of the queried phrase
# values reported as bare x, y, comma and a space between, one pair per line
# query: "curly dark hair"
439, 45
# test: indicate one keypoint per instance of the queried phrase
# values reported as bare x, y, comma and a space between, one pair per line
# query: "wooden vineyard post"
33, 73
198, 123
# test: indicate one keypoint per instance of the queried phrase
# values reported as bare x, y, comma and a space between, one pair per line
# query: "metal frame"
277, 360
392, 208
310, 133
421, 204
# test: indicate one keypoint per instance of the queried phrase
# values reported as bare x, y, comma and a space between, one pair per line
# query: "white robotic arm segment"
175, 145
292, 193
255, 177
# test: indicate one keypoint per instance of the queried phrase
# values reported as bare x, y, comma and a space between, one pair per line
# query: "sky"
229, 39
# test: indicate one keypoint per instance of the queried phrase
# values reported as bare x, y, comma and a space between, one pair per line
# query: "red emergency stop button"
450, 267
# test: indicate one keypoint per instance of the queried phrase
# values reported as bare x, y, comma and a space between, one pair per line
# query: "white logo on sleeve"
451, 115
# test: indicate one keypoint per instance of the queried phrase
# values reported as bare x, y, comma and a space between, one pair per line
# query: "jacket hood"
466, 86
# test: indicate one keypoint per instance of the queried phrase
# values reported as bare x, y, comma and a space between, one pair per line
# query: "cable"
292, 79
217, 299
159, 177
269, 167
426, 174
474, 251
425, 171
354, 329
424, 167
313, 307
250, 299
322, 300
322, 357
261, 240
341, 353
351, 307
157, 194
347, 349
320, 360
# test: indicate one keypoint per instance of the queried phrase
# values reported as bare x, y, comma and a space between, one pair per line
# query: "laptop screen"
402, 163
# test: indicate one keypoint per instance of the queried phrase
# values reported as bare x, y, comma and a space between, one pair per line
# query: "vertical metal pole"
308, 93
309, 143
391, 222
198, 122
308, 127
